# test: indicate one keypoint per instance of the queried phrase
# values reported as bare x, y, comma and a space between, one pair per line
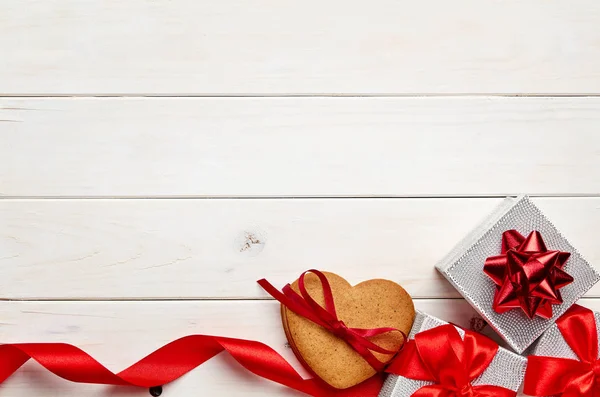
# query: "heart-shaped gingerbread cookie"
370, 304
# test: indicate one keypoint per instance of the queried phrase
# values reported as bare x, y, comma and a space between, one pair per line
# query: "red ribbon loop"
547, 376
439, 355
305, 306
527, 275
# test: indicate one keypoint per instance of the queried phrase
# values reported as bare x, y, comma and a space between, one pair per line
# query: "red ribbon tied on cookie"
304, 305
439, 355
527, 275
566, 377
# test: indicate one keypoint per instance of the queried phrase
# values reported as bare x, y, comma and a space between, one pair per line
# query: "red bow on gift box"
566, 377
439, 355
527, 275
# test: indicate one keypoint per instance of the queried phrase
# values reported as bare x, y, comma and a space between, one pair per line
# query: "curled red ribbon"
175, 359
171, 362
305, 306
546, 376
527, 275
439, 355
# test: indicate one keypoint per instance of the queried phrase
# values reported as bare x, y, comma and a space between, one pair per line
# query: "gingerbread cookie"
370, 304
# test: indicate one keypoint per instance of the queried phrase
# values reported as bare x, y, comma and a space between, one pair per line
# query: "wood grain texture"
218, 248
267, 47
120, 333
299, 146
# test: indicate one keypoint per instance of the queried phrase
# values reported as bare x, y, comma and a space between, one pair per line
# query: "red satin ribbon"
181, 356
440, 355
546, 376
170, 362
527, 275
305, 306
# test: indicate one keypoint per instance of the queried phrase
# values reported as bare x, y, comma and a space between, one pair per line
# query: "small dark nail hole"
156, 391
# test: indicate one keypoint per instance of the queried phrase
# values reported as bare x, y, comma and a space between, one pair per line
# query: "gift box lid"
463, 267
507, 369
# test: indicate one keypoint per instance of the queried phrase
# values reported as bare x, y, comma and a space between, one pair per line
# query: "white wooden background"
157, 157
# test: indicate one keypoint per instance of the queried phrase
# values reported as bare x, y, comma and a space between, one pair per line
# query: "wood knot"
250, 243
477, 324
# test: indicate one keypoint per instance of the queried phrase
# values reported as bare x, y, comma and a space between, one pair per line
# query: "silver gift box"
507, 369
552, 343
463, 267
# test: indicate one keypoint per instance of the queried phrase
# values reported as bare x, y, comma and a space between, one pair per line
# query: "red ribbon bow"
440, 355
305, 306
527, 275
548, 376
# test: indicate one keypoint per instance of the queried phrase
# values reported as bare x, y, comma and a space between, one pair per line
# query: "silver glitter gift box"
507, 369
463, 267
553, 344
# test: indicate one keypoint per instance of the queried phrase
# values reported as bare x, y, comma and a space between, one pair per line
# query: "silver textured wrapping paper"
463, 267
507, 369
552, 343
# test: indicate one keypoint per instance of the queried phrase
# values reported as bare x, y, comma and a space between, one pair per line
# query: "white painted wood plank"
299, 146
219, 248
240, 47
120, 333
